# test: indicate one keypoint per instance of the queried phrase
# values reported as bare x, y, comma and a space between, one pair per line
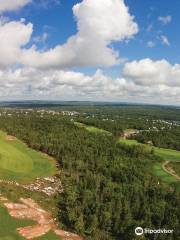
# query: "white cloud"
164, 40
30, 82
151, 44
143, 81
153, 73
165, 19
99, 23
11, 5
13, 36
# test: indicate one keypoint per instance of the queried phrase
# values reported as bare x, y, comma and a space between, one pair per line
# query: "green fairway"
128, 141
163, 175
168, 154
92, 129
22, 164
165, 154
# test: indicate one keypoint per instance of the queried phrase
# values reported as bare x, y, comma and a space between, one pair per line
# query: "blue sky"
135, 51
58, 21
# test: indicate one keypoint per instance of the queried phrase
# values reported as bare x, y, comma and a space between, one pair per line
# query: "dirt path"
29, 209
170, 170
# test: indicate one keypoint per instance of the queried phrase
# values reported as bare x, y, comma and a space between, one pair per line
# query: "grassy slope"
92, 129
165, 154
22, 164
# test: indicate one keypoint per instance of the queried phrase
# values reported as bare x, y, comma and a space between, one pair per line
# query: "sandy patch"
10, 138
29, 209
34, 231
67, 235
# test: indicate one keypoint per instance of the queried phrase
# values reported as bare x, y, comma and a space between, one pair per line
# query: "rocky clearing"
49, 185
44, 222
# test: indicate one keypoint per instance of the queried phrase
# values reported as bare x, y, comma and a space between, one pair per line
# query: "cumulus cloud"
143, 81
11, 5
57, 83
150, 73
39, 75
13, 36
165, 19
99, 24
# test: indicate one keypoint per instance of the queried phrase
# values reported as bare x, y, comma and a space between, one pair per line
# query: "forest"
109, 189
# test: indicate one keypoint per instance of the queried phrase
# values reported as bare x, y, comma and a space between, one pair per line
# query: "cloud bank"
30, 73
142, 81
153, 73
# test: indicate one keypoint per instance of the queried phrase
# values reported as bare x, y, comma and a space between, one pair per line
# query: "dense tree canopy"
108, 187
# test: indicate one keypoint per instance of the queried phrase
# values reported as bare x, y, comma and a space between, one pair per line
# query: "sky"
93, 50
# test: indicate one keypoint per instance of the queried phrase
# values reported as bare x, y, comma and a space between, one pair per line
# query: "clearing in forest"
92, 128
22, 164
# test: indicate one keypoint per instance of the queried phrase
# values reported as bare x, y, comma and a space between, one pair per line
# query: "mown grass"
163, 175
164, 154
92, 129
129, 142
168, 154
22, 164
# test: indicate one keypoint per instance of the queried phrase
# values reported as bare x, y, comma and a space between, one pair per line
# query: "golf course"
159, 168
22, 164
